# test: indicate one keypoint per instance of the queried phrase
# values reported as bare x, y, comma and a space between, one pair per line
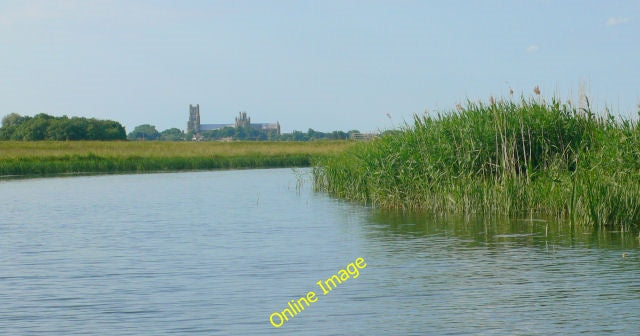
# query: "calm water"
216, 253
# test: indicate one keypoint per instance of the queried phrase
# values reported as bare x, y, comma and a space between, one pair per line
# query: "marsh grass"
505, 158
55, 157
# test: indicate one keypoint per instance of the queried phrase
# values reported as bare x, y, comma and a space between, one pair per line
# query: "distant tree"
339, 135
77, 129
253, 134
172, 134
95, 130
47, 127
240, 133
272, 135
12, 119
30, 128
113, 130
105, 130
10, 125
58, 129
260, 135
36, 129
227, 132
149, 132
209, 135
144, 132
299, 136
5, 133
188, 135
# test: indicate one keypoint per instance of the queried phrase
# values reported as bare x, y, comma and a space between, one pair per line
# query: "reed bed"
40, 158
523, 158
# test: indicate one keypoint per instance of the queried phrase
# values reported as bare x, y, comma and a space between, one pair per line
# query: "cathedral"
242, 120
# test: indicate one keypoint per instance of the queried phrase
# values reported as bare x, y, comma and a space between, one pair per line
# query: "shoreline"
51, 159
81, 174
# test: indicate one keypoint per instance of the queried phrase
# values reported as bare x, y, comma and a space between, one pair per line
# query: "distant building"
363, 136
243, 121
194, 125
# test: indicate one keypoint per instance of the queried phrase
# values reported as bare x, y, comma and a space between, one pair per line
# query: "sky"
327, 65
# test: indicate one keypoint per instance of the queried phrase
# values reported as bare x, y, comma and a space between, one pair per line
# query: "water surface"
215, 253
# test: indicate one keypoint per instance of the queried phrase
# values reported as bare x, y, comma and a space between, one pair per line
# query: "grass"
41, 158
505, 158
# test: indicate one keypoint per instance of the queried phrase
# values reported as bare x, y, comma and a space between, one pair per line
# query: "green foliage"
46, 127
144, 132
503, 158
172, 134
250, 133
312, 134
13, 119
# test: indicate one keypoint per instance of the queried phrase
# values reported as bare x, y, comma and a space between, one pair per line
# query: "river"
225, 252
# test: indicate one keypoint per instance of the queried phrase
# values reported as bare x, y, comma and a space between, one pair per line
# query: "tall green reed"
504, 158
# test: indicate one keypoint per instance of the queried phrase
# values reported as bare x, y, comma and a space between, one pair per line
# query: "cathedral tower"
193, 125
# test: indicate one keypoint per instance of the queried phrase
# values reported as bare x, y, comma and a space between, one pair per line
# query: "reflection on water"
490, 276
498, 231
216, 253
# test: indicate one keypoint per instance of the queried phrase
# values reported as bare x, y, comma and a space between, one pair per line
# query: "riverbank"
526, 158
44, 158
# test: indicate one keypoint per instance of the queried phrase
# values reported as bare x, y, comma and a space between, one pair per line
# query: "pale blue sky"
327, 65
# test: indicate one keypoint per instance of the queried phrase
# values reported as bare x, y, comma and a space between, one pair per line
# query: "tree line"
149, 132
46, 127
